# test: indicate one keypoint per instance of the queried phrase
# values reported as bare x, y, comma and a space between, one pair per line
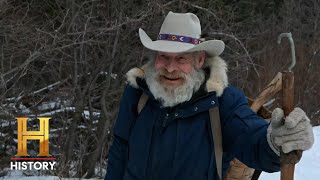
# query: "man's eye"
182, 59
162, 56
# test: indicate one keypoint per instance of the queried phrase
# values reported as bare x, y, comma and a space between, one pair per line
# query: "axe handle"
268, 92
288, 161
287, 92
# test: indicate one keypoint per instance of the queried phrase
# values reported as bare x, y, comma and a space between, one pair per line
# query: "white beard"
169, 96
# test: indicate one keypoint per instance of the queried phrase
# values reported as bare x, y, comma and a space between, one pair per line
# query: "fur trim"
217, 81
133, 74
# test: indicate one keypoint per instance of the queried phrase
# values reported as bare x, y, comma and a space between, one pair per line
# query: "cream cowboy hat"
180, 32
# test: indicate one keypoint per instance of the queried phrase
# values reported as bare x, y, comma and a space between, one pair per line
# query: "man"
170, 139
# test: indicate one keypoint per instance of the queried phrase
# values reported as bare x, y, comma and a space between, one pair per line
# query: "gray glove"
295, 134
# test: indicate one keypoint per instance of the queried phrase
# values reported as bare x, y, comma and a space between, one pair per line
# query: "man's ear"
201, 59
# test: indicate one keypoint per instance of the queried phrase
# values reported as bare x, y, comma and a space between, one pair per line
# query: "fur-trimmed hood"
217, 81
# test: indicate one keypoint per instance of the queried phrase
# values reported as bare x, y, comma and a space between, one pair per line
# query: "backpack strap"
217, 138
142, 102
215, 130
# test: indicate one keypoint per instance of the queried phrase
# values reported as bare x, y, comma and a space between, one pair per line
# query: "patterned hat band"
178, 38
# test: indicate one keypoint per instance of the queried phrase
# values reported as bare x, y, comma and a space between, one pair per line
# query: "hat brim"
212, 47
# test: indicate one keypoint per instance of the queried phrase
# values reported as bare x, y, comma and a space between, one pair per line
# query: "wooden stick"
269, 91
288, 161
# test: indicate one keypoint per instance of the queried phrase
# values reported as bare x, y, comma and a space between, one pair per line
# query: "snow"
19, 175
71, 109
86, 114
5, 123
308, 168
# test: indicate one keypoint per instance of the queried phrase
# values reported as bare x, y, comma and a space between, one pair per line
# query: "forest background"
67, 59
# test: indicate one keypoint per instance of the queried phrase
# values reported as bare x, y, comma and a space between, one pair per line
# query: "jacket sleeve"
245, 133
117, 159
118, 152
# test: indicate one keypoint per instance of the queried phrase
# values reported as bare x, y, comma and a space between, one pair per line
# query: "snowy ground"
307, 169
18, 175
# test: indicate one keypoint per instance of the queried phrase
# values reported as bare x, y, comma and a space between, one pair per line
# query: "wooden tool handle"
288, 161
287, 92
268, 92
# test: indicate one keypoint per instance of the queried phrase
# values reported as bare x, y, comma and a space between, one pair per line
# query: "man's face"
173, 78
173, 67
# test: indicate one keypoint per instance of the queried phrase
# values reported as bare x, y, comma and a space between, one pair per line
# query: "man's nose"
171, 66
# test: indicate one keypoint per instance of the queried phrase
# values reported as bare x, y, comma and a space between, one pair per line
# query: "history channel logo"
23, 161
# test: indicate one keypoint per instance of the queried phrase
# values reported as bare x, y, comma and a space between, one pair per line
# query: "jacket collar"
216, 82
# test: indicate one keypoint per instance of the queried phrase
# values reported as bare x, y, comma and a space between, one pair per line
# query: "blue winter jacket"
176, 143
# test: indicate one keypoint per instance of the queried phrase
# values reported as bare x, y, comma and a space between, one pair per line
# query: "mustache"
173, 75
